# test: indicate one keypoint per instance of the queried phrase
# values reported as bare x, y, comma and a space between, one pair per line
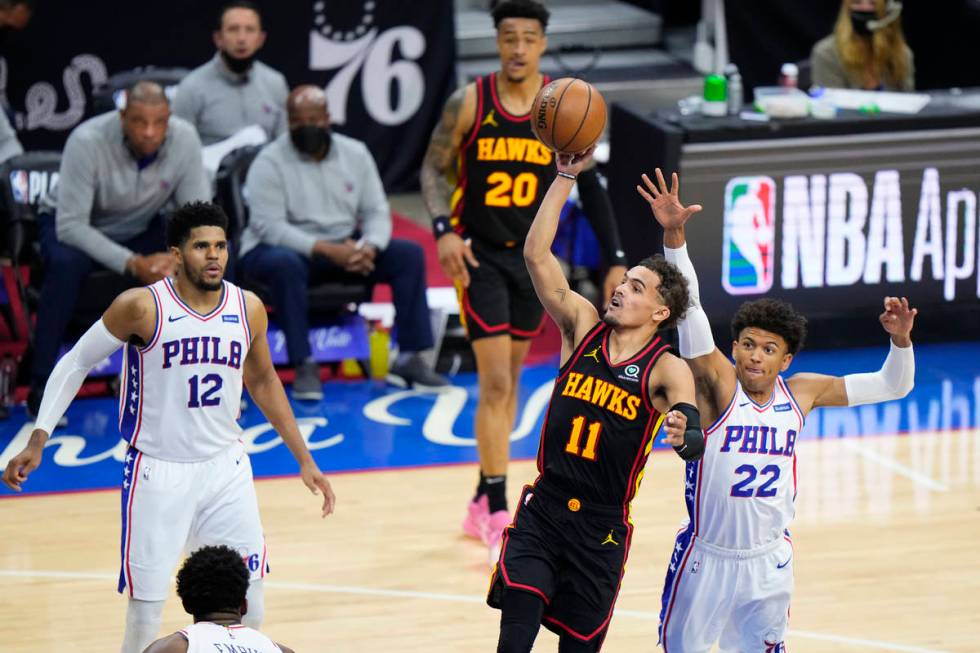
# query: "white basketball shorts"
172, 508
738, 598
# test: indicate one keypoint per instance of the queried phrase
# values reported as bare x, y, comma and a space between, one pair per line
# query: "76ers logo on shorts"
748, 247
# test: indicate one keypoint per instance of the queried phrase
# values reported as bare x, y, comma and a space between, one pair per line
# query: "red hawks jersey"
180, 396
600, 424
504, 172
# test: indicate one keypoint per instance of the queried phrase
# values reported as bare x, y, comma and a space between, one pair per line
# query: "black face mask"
860, 20
311, 140
236, 65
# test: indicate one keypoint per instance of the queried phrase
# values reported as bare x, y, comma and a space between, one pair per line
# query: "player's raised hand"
898, 319
574, 163
666, 204
675, 423
314, 479
21, 465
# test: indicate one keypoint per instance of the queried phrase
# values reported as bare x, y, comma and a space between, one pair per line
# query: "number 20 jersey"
740, 494
504, 172
180, 395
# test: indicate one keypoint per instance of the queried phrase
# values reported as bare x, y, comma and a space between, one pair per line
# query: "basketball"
568, 115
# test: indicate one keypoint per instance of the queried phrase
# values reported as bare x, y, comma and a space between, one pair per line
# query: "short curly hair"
190, 216
520, 9
673, 288
212, 579
772, 315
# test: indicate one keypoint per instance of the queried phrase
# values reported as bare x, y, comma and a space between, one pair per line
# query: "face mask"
311, 140
236, 65
860, 20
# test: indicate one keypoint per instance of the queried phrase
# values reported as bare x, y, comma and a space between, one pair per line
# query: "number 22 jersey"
740, 494
180, 395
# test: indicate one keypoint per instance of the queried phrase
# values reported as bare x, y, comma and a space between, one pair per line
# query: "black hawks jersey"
600, 424
503, 173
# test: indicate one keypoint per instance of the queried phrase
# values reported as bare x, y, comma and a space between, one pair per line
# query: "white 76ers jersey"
740, 494
181, 394
206, 637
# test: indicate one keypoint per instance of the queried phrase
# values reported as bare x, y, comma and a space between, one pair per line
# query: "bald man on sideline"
319, 213
120, 172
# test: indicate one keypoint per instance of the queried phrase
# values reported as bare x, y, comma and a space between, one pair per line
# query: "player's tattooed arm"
440, 157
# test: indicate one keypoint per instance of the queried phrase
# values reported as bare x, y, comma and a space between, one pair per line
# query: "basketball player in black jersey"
484, 139
562, 558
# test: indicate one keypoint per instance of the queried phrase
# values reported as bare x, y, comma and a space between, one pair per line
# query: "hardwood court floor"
887, 558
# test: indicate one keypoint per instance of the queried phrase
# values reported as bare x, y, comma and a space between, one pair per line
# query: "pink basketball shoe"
477, 514
496, 524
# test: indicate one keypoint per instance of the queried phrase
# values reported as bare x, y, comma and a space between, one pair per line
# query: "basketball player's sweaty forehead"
771, 343
640, 278
510, 29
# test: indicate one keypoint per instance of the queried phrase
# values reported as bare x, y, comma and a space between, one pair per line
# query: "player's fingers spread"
650, 185
661, 183
675, 184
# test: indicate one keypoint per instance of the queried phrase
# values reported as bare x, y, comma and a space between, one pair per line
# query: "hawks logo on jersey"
602, 394
527, 150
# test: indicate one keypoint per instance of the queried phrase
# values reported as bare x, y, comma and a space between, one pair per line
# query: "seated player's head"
652, 292
196, 236
15, 14
521, 41
213, 579
145, 118
766, 334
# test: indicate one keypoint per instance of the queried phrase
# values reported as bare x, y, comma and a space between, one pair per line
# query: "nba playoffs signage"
843, 239
386, 66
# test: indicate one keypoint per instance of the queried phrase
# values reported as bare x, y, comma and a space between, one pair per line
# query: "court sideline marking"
895, 466
455, 598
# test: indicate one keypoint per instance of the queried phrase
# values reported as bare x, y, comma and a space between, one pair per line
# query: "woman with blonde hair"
867, 49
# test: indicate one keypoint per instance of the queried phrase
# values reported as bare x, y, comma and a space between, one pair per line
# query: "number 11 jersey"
180, 395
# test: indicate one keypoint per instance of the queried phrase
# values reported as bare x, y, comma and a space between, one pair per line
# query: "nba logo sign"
748, 247
20, 186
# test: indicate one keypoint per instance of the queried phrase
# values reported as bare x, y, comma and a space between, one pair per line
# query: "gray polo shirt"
103, 198
295, 200
219, 103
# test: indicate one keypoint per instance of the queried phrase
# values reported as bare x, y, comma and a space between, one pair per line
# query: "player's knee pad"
520, 619
256, 604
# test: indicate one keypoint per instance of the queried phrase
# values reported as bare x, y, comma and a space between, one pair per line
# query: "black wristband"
441, 226
693, 447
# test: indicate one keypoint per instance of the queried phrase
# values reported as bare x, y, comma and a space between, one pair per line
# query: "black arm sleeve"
598, 209
693, 447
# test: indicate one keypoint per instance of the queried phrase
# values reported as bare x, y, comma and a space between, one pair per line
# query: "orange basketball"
568, 115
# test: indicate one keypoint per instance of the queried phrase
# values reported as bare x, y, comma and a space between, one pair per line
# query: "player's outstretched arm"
713, 372
266, 390
573, 314
672, 393
894, 380
132, 313
457, 119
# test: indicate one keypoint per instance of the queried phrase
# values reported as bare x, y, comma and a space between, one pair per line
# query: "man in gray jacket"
234, 90
319, 212
119, 172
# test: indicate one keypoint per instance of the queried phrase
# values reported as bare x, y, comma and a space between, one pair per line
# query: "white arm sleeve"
68, 375
893, 381
693, 332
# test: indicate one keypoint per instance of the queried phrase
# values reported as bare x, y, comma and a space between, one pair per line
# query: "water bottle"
379, 341
715, 96
789, 75
734, 89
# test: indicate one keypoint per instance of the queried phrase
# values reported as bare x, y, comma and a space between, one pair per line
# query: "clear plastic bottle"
735, 97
